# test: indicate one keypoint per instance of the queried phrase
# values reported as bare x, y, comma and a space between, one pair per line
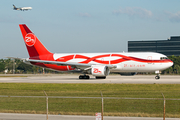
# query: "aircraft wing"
75, 65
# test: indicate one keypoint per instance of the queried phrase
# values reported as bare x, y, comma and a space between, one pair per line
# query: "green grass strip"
82, 106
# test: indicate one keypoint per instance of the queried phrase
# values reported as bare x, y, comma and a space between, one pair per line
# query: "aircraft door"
149, 59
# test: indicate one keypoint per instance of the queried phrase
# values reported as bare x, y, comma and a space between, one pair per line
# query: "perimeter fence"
109, 106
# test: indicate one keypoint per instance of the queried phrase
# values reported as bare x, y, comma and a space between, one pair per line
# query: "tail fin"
34, 46
14, 7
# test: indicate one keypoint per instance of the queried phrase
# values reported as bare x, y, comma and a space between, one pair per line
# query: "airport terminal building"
167, 47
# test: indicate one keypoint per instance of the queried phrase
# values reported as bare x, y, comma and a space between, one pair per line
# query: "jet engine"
100, 71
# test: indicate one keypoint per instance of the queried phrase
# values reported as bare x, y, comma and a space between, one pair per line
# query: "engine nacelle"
127, 73
98, 70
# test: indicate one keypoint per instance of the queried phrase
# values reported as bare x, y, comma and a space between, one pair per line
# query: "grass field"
82, 106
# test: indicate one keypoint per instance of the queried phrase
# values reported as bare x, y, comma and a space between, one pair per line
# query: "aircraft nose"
171, 63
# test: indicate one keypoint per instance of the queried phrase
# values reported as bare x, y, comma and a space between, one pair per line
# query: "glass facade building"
167, 47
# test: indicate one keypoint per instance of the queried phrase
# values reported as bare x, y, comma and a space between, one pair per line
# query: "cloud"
173, 17
134, 12
84, 15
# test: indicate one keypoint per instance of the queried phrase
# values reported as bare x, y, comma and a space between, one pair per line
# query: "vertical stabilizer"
14, 7
34, 46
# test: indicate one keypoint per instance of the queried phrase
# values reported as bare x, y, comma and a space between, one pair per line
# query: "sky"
86, 26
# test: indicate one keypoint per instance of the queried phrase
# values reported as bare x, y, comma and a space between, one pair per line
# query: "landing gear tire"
157, 77
100, 77
157, 74
84, 77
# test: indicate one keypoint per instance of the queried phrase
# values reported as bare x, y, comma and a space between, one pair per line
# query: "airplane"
96, 64
22, 8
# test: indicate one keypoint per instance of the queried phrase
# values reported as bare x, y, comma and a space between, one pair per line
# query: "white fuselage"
25, 8
125, 62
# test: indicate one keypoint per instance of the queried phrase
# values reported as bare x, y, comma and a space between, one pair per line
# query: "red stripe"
122, 58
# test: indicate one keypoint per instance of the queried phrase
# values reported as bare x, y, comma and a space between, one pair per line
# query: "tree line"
175, 69
10, 66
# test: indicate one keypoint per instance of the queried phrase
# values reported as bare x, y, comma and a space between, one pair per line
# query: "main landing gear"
87, 77
103, 77
84, 77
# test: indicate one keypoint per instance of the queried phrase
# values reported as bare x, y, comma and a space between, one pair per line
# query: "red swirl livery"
96, 64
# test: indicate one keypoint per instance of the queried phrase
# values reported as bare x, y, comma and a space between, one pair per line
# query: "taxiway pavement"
13, 116
71, 78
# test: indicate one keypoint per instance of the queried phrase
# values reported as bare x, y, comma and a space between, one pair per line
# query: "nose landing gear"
158, 75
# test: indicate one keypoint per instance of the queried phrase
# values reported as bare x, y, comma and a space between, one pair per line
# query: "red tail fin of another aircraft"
34, 46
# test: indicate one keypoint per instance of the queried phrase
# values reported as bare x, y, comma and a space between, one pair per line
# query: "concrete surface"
68, 78
14, 116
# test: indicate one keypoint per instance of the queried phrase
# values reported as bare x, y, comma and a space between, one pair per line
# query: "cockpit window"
163, 58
